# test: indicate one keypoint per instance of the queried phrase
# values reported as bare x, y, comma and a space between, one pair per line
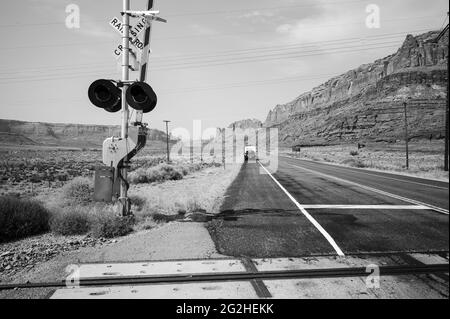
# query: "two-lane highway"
306, 208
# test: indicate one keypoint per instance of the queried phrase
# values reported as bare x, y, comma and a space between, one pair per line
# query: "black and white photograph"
224, 156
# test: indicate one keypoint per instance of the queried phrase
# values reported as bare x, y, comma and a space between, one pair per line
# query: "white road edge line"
307, 215
403, 207
408, 200
376, 175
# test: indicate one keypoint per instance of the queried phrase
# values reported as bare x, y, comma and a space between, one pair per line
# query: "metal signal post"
124, 206
114, 96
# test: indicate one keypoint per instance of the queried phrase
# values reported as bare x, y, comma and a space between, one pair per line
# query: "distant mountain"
62, 135
246, 124
366, 103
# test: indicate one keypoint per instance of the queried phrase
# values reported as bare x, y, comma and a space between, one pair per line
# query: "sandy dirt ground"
177, 240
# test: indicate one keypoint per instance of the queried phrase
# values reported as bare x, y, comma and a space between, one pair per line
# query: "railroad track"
393, 270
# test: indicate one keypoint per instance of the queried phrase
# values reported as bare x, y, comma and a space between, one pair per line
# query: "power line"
40, 79
272, 57
285, 49
228, 54
307, 44
247, 84
235, 60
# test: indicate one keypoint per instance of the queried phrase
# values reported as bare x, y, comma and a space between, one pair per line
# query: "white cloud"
334, 22
93, 30
202, 30
256, 13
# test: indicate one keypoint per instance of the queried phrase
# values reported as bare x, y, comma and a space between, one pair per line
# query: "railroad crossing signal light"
140, 96
106, 95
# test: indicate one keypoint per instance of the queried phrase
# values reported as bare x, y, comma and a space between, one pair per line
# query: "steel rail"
239, 276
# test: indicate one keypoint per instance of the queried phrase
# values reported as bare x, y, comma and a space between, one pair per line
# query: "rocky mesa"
246, 124
62, 135
366, 104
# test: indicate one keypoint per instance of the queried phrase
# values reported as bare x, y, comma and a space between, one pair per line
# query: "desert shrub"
354, 153
162, 218
166, 172
138, 176
360, 164
195, 167
147, 161
183, 169
159, 173
137, 201
349, 161
21, 218
78, 191
170, 172
354, 163
153, 174
107, 225
71, 221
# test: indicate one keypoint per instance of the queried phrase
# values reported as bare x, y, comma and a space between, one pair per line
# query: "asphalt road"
307, 208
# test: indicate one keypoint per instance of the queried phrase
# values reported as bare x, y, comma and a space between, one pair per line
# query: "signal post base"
124, 207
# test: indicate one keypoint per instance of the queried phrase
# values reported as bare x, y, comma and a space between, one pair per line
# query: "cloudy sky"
216, 61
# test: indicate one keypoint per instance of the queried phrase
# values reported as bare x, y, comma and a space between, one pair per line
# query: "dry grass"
425, 159
99, 220
202, 192
70, 221
166, 172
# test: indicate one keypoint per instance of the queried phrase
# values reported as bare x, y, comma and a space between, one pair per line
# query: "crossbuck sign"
116, 23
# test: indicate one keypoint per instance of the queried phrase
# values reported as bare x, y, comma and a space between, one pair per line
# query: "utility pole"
223, 146
234, 143
406, 135
446, 127
446, 113
441, 34
167, 140
124, 206
256, 144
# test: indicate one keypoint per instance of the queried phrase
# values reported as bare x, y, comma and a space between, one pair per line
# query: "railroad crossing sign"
117, 25
134, 61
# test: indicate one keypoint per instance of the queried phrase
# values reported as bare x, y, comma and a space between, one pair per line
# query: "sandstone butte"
366, 104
